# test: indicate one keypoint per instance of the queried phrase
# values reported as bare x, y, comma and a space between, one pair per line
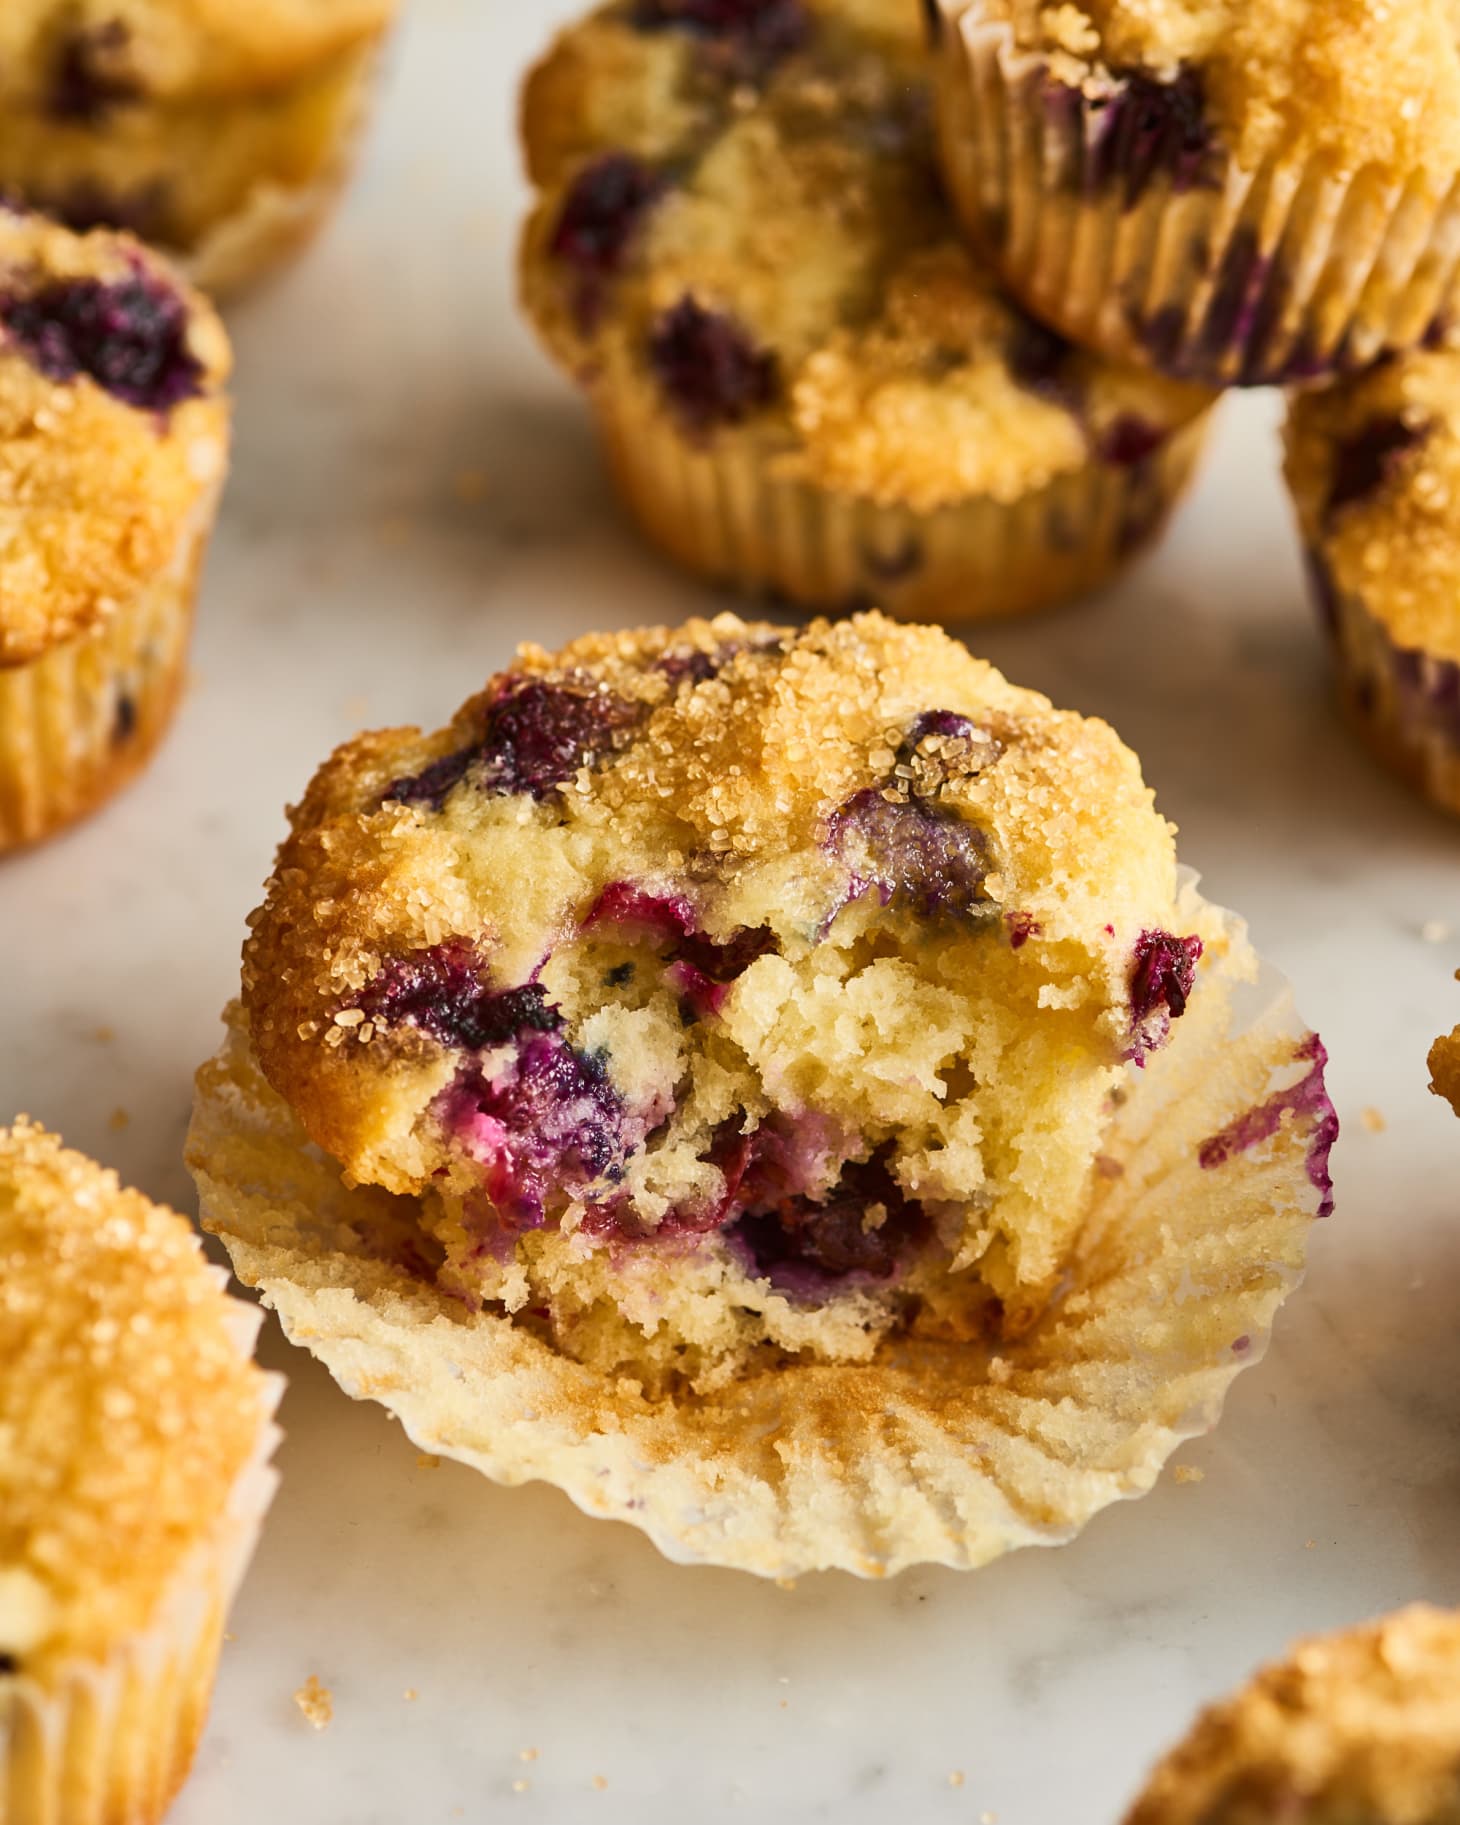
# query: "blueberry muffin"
1374, 469
804, 383
727, 992
773, 1085
132, 1484
1231, 193
113, 449
1355, 1729
218, 131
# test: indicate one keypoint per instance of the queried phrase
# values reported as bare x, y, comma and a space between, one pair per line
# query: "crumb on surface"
426, 1461
600, 1783
1374, 1120
956, 1778
118, 1119
527, 1755
317, 1703
1188, 1473
1435, 931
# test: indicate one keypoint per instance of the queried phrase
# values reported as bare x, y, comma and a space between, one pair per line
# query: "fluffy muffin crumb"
126, 1410
727, 989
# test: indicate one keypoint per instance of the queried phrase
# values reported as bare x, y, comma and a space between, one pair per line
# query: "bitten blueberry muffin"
728, 992
217, 130
132, 1483
1374, 468
1234, 193
1355, 1729
113, 449
804, 382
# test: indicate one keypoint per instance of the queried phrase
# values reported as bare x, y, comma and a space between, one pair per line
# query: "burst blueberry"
129, 336
710, 371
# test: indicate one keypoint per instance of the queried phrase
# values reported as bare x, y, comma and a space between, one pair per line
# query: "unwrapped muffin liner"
726, 507
1402, 702
278, 220
1291, 272
932, 1452
78, 723
110, 1742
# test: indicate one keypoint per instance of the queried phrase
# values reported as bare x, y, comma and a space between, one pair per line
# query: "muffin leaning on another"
1235, 193
220, 131
1374, 469
133, 1481
804, 383
1361, 1728
113, 451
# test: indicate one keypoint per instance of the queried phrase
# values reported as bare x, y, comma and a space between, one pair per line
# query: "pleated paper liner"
79, 723
1403, 704
277, 220
936, 1453
726, 508
110, 1742
1285, 274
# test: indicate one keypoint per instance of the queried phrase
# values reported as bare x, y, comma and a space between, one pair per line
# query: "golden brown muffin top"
712, 760
1360, 82
1374, 465
757, 203
113, 426
81, 58
126, 1409
1445, 1068
1355, 1729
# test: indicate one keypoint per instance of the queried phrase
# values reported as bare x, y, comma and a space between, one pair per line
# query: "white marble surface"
351, 584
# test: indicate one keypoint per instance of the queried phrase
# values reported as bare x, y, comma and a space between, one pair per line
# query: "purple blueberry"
752, 35
1163, 974
90, 77
701, 967
710, 371
1040, 360
547, 1125
538, 735
1129, 441
1150, 129
129, 336
804, 1244
441, 992
1363, 464
912, 853
601, 213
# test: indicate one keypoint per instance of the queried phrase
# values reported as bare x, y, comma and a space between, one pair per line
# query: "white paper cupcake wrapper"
110, 1742
1287, 273
724, 508
932, 1452
80, 722
1404, 703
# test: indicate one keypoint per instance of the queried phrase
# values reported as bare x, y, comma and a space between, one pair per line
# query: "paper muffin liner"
77, 724
1287, 273
1403, 703
724, 508
932, 1452
278, 220
110, 1742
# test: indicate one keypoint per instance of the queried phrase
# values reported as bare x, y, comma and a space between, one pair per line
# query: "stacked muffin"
925, 306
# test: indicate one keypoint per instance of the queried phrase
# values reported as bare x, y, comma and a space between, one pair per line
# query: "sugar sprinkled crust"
1374, 465
681, 937
127, 49
99, 476
773, 214
126, 1410
1363, 1726
1362, 82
